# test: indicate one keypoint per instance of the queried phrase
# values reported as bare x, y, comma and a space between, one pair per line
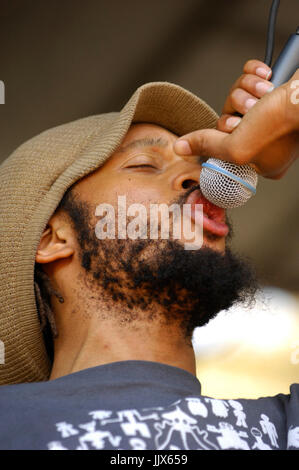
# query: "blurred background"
63, 60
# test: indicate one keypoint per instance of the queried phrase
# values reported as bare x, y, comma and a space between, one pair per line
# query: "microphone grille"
222, 189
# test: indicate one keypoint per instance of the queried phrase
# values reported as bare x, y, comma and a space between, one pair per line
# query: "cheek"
136, 190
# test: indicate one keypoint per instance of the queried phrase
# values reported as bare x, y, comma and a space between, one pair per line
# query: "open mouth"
213, 216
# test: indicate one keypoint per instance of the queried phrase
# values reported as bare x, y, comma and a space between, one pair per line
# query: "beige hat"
32, 183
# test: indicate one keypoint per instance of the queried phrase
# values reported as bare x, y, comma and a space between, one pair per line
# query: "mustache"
181, 200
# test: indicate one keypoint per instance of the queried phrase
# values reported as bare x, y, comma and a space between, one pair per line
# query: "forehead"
143, 130
139, 136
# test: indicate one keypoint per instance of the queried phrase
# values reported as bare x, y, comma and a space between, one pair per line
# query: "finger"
227, 123
253, 85
257, 67
205, 142
241, 101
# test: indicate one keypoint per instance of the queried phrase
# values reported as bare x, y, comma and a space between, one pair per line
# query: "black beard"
159, 277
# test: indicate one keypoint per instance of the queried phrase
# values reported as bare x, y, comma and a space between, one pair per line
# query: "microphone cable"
271, 32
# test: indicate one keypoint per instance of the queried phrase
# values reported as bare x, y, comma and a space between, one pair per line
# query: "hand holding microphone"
266, 137
268, 145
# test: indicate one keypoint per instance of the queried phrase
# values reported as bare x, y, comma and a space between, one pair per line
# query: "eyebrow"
145, 142
151, 142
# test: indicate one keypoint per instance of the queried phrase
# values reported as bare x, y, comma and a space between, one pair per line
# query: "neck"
97, 340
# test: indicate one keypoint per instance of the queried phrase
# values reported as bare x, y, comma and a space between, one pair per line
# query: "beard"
157, 280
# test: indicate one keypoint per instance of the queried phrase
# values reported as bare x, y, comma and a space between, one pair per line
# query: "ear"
57, 241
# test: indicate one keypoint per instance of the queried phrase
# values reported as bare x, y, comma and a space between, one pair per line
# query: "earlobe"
54, 245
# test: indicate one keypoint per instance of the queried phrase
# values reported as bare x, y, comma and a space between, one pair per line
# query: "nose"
188, 183
186, 179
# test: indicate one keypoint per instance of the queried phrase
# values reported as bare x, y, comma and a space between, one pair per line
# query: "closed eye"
142, 166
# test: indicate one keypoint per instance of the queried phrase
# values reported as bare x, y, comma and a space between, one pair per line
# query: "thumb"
206, 142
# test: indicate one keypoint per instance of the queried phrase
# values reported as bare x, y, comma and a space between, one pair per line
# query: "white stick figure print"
100, 414
137, 444
230, 438
196, 407
293, 437
219, 407
259, 444
130, 422
66, 429
238, 412
270, 429
96, 438
56, 445
178, 424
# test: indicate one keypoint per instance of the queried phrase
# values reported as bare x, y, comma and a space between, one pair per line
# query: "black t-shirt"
141, 405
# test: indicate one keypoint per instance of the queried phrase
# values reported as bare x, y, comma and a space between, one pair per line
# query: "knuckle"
243, 82
194, 140
236, 96
204, 145
221, 122
248, 82
250, 65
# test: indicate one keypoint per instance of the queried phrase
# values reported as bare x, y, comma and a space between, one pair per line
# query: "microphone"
226, 184
287, 62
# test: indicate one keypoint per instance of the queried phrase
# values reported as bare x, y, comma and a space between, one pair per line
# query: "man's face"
146, 170
153, 278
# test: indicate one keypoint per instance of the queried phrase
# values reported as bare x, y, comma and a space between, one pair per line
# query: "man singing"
97, 330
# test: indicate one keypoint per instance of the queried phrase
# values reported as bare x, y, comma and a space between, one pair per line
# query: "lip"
213, 216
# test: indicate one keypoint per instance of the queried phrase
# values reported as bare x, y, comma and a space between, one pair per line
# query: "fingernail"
249, 103
232, 122
263, 73
262, 87
182, 147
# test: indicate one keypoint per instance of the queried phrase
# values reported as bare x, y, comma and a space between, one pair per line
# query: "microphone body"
288, 61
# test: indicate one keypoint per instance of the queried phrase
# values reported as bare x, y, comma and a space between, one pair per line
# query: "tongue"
218, 228
213, 216
217, 214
